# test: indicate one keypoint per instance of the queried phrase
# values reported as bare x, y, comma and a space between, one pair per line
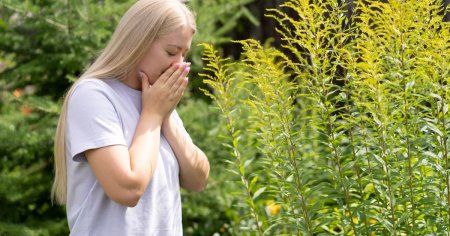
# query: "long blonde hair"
145, 21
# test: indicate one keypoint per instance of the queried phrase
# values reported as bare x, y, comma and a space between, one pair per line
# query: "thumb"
144, 80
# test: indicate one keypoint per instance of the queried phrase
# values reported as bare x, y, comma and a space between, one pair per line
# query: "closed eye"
173, 50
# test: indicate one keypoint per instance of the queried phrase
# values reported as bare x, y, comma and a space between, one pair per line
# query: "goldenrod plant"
228, 88
348, 123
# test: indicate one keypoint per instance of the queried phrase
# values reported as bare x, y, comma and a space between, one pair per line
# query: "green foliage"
214, 28
51, 43
26, 169
43, 46
229, 85
351, 130
217, 21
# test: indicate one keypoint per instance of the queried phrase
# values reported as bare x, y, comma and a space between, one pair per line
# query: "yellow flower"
369, 188
272, 208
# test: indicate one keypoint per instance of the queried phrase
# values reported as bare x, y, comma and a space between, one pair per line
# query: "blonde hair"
145, 21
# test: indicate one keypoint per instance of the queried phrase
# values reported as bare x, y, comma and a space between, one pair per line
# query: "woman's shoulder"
90, 82
90, 89
90, 95
108, 90
90, 85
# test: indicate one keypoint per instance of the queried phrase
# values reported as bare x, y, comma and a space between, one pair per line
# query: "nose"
177, 59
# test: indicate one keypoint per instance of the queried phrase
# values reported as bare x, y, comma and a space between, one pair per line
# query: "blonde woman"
121, 151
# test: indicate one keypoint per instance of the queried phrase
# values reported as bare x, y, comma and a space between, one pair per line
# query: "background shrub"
350, 122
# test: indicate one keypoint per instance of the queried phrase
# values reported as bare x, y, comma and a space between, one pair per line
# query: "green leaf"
258, 192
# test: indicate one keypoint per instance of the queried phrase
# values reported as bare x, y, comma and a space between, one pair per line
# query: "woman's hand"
162, 97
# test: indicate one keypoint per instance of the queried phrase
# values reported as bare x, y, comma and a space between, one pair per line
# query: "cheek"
154, 66
149, 71
154, 71
164, 64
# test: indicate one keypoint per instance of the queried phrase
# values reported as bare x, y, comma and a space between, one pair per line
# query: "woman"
121, 152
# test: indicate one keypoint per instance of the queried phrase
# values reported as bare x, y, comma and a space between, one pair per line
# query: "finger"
176, 76
169, 72
180, 76
180, 73
144, 81
186, 71
180, 90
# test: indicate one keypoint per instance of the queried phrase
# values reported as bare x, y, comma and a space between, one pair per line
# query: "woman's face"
166, 51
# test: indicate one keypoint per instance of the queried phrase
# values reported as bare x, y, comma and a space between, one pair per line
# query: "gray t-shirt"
102, 113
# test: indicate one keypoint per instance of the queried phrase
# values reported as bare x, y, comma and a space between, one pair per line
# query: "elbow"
128, 198
201, 187
130, 192
196, 186
130, 202
204, 182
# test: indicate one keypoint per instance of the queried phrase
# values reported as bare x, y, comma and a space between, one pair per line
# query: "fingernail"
186, 70
177, 65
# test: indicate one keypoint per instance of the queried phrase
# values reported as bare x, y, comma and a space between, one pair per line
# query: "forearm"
144, 150
194, 165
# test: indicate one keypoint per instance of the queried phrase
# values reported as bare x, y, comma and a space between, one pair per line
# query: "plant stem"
298, 181
382, 142
408, 142
336, 153
356, 170
300, 187
237, 154
282, 178
444, 145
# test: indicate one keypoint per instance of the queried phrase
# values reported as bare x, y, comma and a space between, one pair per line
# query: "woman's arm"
194, 165
125, 173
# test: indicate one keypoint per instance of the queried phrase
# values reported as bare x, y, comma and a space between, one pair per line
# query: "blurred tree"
43, 46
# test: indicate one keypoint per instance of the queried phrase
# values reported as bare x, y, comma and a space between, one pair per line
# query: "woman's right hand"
162, 97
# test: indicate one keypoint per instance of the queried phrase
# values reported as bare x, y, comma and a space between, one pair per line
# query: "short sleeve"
92, 121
